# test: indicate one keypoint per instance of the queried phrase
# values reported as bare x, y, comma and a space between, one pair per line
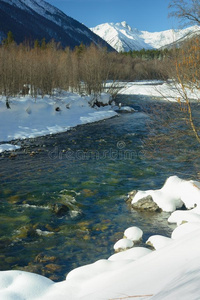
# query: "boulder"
146, 204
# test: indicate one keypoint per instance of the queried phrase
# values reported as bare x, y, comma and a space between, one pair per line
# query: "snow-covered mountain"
37, 19
124, 38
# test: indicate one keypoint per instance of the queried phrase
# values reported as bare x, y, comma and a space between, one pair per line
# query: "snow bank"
156, 88
133, 254
29, 118
180, 216
18, 285
184, 229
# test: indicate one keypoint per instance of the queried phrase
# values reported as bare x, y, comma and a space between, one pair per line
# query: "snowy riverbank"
167, 90
29, 117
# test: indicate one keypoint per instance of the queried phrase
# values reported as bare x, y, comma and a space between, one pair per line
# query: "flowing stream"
62, 197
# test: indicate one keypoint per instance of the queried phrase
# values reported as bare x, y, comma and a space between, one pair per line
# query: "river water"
89, 169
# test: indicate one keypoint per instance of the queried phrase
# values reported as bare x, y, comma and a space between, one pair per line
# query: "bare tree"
187, 59
186, 10
188, 77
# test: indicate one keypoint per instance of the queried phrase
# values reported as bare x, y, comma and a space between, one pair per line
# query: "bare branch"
186, 10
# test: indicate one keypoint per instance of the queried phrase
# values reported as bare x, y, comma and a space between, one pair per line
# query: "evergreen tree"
36, 44
43, 44
9, 39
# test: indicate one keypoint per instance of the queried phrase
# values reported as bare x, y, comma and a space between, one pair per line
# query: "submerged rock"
60, 209
27, 231
67, 206
53, 268
4, 243
43, 258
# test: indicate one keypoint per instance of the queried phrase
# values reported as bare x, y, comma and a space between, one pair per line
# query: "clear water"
92, 168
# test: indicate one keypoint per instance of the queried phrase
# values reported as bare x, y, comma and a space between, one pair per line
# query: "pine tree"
36, 44
43, 44
9, 39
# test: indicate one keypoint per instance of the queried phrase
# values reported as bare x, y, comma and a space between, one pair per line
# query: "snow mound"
18, 285
123, 244
133, 233
158, 241
180, 216
173, 194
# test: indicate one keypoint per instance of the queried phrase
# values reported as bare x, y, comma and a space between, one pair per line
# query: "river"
62, 197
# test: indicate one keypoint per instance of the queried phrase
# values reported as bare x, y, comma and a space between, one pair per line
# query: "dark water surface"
62, 197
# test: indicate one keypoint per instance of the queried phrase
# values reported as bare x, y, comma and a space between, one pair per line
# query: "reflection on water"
62, 197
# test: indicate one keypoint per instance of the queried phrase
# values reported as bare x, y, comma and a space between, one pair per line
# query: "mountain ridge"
37, 19
123, 37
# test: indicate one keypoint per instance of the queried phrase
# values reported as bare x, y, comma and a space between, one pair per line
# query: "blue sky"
150, 15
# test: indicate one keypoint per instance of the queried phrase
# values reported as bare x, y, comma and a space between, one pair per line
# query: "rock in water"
60, 209
146, 204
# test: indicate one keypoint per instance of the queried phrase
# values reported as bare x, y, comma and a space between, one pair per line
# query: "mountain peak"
124, 38
125, 25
